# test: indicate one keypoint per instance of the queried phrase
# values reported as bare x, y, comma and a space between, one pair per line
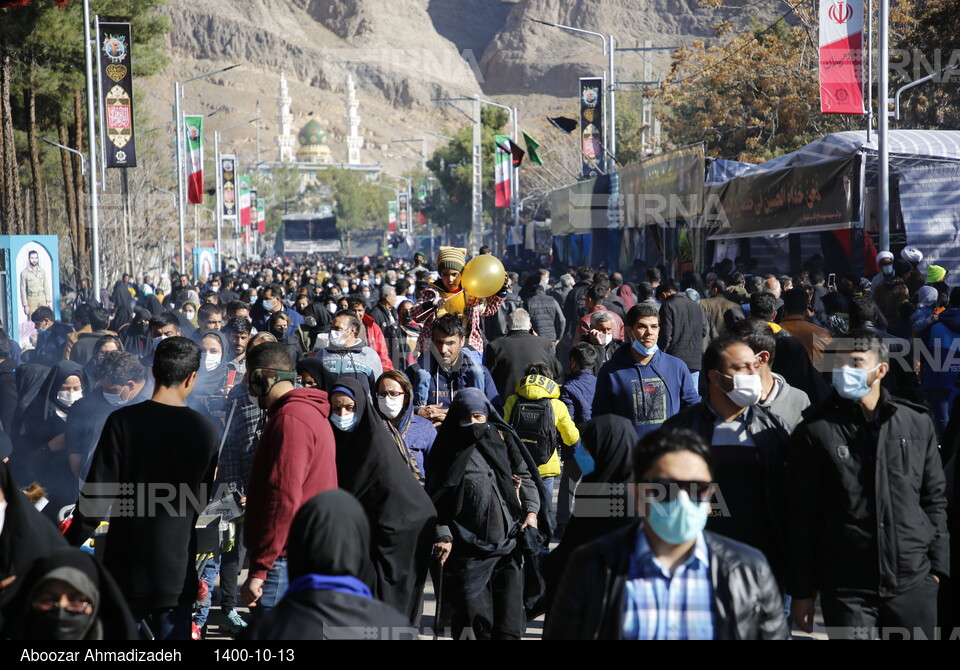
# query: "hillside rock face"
404, 54
528, 57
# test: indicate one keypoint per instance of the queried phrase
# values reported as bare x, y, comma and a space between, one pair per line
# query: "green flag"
532, 146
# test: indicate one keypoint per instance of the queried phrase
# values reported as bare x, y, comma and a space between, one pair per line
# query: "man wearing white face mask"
867, 512
749, 445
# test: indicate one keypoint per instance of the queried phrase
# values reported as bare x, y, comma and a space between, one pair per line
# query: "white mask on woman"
391, 407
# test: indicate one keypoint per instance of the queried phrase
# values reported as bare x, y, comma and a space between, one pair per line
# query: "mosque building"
309, 149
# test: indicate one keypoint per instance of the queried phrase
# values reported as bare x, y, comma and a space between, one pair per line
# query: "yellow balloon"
483, 276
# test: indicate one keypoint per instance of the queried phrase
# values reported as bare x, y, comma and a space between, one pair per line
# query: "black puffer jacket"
589, 602
683, 328
867, 503
546, 316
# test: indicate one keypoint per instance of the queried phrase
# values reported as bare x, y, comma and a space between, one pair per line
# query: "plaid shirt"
243, 434
425, 312
660, 606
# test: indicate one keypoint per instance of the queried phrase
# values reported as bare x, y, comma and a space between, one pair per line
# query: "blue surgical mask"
642, 350
851, 383
584, 461
345, 422
679, 520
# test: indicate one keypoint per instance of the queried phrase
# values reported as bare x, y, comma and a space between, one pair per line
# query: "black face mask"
57, 624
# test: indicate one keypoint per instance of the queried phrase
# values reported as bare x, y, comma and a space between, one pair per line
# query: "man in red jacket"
294, 461
370, 331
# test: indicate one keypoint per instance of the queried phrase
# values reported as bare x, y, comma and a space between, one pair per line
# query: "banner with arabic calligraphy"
116, 94
663, 188
812, 196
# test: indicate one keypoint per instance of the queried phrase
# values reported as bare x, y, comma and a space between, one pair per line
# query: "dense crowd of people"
637, 457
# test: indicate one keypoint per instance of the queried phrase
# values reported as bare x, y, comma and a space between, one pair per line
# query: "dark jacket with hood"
589, 603
294, 461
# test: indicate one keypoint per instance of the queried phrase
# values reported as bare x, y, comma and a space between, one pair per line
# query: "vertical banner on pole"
261, 215
116, 94
228, 186
841, 57
591, 125
193, 127
503, 166
403, 214
244, 189
392, 216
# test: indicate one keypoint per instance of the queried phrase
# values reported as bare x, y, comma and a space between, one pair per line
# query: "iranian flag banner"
245, 217
261, 215
841, 57
502, 171
194, 130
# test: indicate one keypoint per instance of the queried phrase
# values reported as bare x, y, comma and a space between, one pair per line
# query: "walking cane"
439, 594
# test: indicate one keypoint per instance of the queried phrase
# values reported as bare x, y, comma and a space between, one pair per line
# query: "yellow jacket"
535, 387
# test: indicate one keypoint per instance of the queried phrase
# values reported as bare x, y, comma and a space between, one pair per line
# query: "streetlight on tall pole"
883, 118
92, 139
178, 121
611, 87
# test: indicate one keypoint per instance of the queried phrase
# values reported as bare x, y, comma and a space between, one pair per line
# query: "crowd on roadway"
635, 455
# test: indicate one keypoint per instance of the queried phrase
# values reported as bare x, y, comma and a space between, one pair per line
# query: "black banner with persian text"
809, 196
116, 94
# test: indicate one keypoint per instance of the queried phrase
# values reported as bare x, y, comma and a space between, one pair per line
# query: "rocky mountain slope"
403, 54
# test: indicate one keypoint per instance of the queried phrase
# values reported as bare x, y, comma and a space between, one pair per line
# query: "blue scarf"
341, 583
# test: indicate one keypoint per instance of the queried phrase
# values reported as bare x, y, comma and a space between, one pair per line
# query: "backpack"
534, 423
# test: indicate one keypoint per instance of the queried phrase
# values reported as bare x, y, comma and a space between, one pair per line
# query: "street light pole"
92, 139
883, 122
178, 121
611, 113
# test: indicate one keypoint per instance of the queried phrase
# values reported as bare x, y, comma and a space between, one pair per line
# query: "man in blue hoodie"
447, 367
641, 382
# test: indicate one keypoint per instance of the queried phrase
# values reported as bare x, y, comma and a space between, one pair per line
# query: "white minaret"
354, 141
285, 137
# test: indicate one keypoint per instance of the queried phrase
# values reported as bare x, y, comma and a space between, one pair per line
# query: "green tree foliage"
360, 204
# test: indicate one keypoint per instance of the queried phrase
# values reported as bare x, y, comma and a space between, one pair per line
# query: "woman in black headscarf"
136, 335
209, 395
607, 441
25, 536
29, 380
488, 493
122, 306
370, 467
44, 432
330, 574
153, 305
69, 595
